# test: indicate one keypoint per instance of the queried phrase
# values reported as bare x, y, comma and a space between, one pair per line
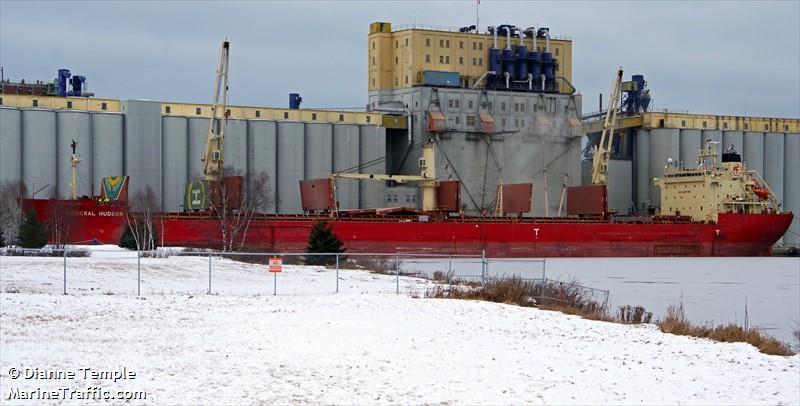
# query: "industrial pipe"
543, 77
493, 30
532, 30
547, 40
530, 82
508, 78
487, 73
508, 36
521, 36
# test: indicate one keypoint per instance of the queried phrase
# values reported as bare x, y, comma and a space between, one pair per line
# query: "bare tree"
139, 216
60, 221
11, 211
235, 206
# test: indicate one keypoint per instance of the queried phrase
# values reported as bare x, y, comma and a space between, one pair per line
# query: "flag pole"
477, 17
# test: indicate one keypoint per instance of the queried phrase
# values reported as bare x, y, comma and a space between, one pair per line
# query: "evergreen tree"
2, 238
127, 241
32, 233
323, 240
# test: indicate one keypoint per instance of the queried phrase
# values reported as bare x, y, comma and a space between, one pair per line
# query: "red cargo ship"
741, 223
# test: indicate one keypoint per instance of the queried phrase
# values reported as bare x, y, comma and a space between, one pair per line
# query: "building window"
373, 60
746, 126
457, 103
427, 59
167, 109
503, 123
441, 58
427, 42
396, 44
1, 101
341, 117
69, 104
503, 106
460, 60
516, 107
474, 46
556, 51
373, 44
450, 103
724, 125
470, 121
35, 103
258, 113
516, 123
373, 81
460, 44
480, 61
406, 41
285, 114
474, 61
369, 119
198, 111
469, 104
766, 127
490, 106
785, 126
447, 59
704, 124
458, 120
227, 112
683, 123
313, 116
480, 45
406, 79
396, 60
441, 43
447, 43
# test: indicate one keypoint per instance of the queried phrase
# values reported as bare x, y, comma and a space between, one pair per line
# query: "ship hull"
732, 235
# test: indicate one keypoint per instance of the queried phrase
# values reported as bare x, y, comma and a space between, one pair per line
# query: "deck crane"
213, 156
602, 151
426, 179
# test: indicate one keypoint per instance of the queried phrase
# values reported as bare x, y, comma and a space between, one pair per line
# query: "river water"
714, 290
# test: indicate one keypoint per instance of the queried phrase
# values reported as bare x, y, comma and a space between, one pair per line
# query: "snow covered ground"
241, 345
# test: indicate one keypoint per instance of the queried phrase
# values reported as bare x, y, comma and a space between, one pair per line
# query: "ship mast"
74, 161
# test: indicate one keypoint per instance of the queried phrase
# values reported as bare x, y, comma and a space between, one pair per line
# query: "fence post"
138, 273
209, 272
337, 273
397, 272
274, 284
65, 270
449, 267
544, 277
483, 267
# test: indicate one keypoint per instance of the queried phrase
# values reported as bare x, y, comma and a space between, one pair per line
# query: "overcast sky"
740, 57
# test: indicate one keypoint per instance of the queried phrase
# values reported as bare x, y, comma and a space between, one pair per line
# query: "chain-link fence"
111, 270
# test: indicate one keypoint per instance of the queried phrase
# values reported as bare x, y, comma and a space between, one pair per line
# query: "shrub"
323, 240
32, 233
127, 241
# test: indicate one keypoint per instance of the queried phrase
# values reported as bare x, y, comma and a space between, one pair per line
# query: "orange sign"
276, 264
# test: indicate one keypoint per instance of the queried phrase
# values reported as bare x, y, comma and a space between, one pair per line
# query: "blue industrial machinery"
635, 96
295, 100
517, 68
76, 83
439, 78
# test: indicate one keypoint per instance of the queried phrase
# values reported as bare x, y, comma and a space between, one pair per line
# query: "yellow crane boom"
213, 155
602, 151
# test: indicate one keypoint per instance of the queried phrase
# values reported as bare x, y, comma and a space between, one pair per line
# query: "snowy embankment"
363, 345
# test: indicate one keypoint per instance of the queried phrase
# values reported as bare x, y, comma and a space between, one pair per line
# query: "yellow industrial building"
396, 58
